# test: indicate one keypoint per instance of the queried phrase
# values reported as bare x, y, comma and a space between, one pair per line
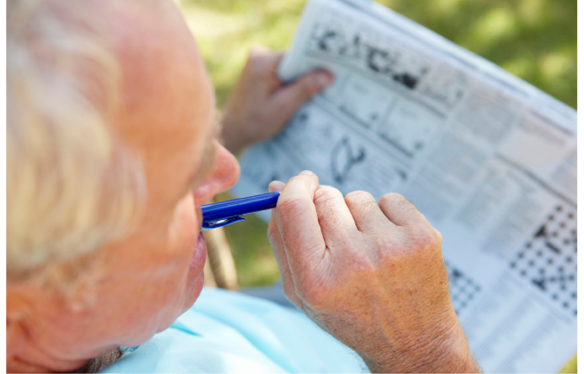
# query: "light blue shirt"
228, 332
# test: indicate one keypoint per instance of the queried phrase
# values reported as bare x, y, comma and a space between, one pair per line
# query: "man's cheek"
185, 211
184, 229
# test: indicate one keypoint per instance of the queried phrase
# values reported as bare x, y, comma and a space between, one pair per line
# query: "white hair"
71, 185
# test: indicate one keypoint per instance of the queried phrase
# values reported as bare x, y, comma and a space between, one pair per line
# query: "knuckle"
394, 199
386, 248
256, 54
384, 243
291, 206
361, 201
438, 236
308, 87
392, 196
364, 265
300, 177
255, 64
399, 203
359, 196
326, 194
424, 240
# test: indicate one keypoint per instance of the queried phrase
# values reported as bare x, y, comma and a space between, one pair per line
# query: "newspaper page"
489, 159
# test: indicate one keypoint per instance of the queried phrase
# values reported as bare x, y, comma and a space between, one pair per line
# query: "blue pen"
227, 212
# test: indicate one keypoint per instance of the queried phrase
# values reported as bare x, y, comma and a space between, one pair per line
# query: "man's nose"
223, 176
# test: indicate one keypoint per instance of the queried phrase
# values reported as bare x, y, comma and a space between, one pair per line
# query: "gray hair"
71, 185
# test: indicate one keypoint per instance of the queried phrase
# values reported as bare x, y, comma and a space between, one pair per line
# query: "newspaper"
489, 159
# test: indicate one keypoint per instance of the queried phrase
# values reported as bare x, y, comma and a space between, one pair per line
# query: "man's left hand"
261, 104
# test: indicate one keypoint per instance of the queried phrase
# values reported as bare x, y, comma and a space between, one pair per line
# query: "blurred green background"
533, 39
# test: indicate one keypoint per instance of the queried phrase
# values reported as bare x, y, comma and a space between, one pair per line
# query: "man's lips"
196, 276
200, 252
199, 217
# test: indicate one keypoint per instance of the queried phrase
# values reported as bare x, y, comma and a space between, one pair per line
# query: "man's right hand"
371, 274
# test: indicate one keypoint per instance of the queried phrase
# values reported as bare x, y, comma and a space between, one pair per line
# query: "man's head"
111, 152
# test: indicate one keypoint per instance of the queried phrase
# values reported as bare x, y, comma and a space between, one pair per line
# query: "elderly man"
111, 152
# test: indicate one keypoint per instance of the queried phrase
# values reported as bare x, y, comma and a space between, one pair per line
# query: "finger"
291, 96
334, 217
401, 211
275, 239
366, 212
298, 224
262, 61
276, 186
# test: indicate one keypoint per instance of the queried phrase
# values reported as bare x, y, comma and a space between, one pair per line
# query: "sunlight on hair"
71, 186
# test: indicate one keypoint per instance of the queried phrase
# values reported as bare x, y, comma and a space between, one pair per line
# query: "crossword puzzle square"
548, 259
463, 289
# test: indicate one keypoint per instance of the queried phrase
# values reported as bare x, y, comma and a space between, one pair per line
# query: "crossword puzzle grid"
462, 288
548, 260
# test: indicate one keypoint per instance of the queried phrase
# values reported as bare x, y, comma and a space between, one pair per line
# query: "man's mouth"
199, 213
200, 252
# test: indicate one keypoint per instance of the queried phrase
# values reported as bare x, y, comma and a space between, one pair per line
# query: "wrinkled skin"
369, 273
150, 277
147, 279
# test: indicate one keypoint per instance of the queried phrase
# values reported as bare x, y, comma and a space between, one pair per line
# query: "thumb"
276, 186
290, 97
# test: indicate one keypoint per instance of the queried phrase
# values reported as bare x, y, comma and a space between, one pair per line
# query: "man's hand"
371, 274
261, 104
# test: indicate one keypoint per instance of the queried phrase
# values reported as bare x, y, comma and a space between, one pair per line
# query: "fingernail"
306, 172
276, 186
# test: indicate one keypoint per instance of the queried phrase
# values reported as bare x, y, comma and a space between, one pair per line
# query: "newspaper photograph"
488, 159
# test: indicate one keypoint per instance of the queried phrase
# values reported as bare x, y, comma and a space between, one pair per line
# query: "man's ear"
15, 333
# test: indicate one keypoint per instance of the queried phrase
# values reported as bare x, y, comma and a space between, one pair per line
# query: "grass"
533, 39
